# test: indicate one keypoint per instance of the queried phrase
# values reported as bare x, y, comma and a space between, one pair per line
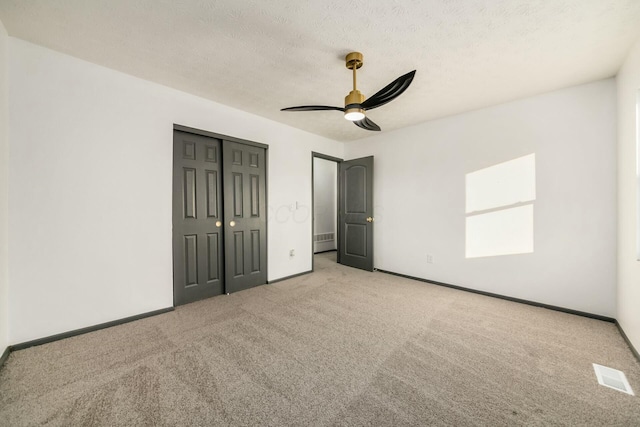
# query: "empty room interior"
192, 232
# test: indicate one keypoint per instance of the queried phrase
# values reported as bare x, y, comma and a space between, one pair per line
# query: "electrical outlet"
429, 259
292, 252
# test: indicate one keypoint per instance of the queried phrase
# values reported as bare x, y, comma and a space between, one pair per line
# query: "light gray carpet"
336, 347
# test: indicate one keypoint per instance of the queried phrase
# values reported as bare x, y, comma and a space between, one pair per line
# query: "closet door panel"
198, 241
245, 212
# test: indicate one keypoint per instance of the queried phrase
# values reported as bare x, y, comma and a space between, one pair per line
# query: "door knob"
218, 223
369, 219
232, 223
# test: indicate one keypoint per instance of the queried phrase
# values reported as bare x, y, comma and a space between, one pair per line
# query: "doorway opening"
350, 219
324, 182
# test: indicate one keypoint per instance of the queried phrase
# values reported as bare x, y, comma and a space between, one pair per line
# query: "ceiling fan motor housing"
354, 97
352, 105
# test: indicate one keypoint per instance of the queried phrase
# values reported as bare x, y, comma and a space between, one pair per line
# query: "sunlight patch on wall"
499, 208
503, 232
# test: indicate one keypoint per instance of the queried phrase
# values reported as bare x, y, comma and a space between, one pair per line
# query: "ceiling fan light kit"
354, 114
355, 105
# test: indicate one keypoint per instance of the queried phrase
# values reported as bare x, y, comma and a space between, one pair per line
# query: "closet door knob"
218, 224
232, 223
369, 219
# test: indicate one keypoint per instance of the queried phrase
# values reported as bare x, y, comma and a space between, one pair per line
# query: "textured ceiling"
260, 56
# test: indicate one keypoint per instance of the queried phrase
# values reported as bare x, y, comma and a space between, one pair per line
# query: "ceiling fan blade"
312, 108
367, 124
389, 92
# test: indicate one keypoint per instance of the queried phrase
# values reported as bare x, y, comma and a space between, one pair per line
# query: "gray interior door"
245, 216
198, 267
355, 237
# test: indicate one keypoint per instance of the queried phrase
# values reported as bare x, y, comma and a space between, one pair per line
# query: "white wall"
628, 80
420, 197
90, 190
4, 194
325, 190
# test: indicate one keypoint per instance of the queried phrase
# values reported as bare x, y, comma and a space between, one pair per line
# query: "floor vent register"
612, 378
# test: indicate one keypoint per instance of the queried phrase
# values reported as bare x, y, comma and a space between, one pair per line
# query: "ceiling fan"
355, 104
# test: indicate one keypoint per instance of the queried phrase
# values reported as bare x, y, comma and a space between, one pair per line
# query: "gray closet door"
198, 266
355, 244
245, 216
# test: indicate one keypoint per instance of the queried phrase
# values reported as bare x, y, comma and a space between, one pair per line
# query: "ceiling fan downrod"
353, 110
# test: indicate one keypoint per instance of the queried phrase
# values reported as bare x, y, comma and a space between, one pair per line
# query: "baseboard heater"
324, 237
